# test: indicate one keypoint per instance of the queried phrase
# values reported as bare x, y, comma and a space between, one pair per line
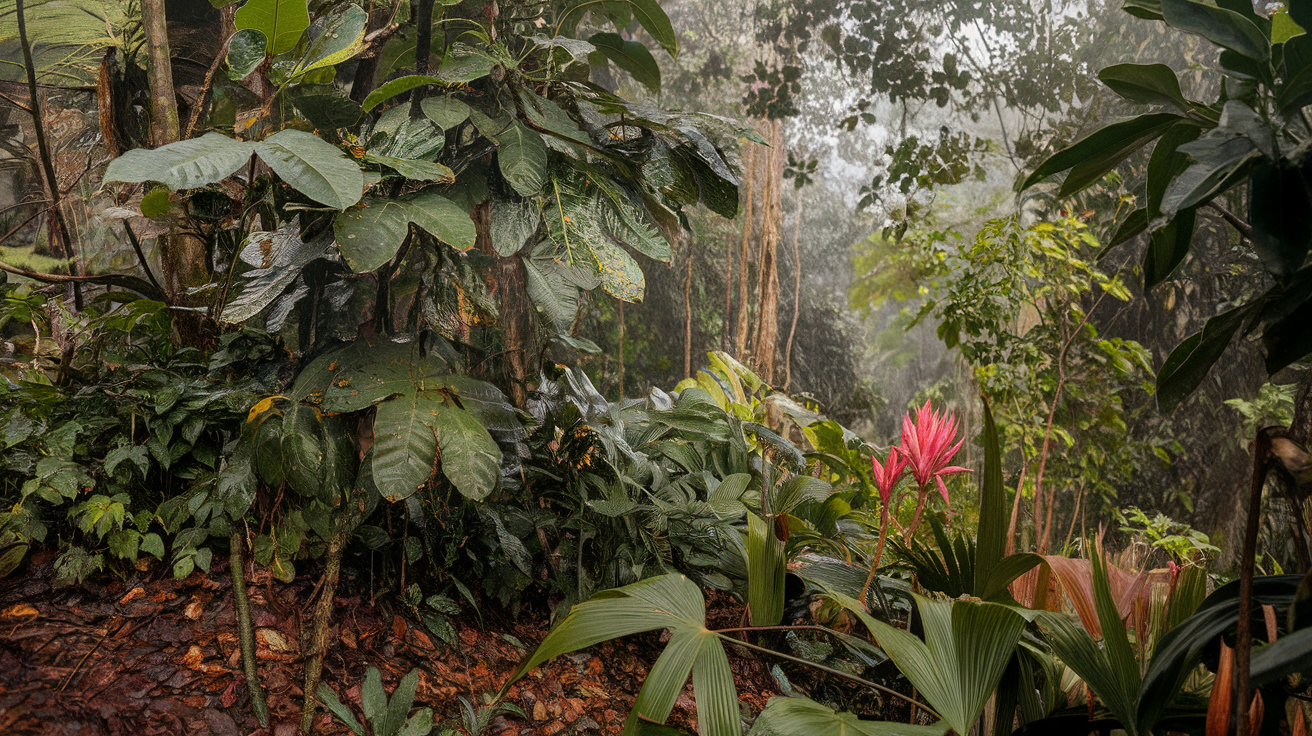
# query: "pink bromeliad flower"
928, 445
888, 474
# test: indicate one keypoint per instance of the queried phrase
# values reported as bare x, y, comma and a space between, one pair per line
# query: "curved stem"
879, 552
838, 673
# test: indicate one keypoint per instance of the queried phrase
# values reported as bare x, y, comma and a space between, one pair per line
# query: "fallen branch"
141, 286
1244, 228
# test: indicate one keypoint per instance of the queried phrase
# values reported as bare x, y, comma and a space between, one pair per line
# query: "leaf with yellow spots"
262, 407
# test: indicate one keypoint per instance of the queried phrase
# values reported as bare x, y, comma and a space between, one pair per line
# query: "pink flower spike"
888, 474
928, 445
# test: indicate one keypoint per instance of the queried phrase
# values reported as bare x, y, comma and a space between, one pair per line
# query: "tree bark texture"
767, 320
508, 286
744, 300
184, 261
797, 295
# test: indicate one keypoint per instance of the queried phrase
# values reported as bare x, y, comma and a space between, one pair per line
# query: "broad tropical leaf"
765, 572
281, 21
371, 233
186, 164
522, 158
666, 602
333, 38
1100, 151
630, 56
966, 649
314, 167
804, 717
1149, 84
405, 446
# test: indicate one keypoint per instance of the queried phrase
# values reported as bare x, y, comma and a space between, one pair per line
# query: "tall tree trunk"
744, 302
183, 259
687, 317
159, 69
508, 286
728, 297
423, 48
767, 320
797, 295
621, 352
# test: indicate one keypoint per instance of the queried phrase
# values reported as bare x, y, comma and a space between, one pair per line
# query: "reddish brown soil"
150, 655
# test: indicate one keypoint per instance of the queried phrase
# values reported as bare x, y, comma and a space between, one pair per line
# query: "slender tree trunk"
740, 330
797, 295
423, 47
728, 297
517, 343
687, 318
245, 628
183, 258
159, 69
767, 319
621, 353
1239, 706
347, 520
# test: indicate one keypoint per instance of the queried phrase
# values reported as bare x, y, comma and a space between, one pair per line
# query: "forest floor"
151, 655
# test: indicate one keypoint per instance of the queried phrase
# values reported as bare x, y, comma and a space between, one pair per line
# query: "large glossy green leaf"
765, 572
186, 164
799, 716
1190, 361
1103, 149
620, 275
445, 110
314, 167
666, 602
371, 233
1149, 84
471, 459
1167, 248
333, 38
405, 447
278, 258
1073, 645
991, 539
245, 52
1222, 27
551, 292
363, 373
281, 21
630, 56
549, 116
1165, 164
325, 106
522, 158
414, 169
654, 20
513, 223
463, 65
957, 667
398, 86
1221, 159
302, 449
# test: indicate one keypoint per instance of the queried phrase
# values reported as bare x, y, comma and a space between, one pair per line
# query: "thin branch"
109, 279
141, 256
1244, 228
205, 88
